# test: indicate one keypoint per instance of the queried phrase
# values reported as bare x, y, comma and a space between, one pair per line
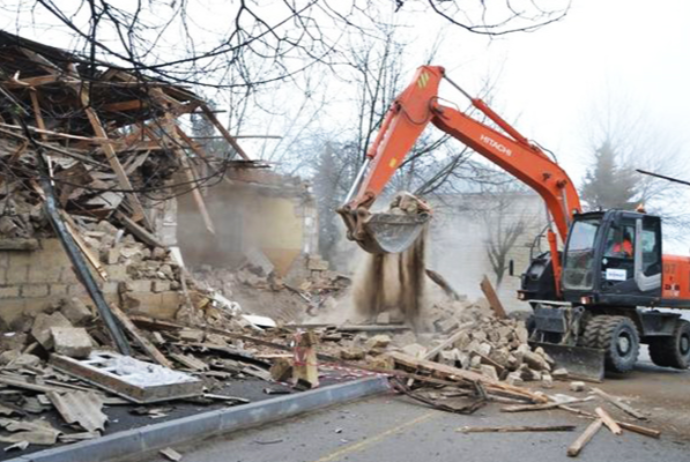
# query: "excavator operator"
622, 245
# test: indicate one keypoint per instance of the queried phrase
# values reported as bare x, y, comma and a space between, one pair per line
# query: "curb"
212, 423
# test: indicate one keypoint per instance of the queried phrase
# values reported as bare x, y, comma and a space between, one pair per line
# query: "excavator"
603, 287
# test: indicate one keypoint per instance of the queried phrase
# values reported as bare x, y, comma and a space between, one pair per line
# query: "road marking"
376, 438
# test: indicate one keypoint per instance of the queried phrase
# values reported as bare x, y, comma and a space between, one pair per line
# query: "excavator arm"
411, 112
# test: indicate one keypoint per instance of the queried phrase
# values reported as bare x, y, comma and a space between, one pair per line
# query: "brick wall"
32, 281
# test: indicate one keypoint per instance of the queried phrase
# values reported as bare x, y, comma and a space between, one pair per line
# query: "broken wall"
32, 281
251, 210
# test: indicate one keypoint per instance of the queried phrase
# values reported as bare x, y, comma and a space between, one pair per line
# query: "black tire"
590, 333
658, 352
673, 351
620, 341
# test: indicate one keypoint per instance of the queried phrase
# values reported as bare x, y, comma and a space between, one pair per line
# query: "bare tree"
507, 217
637, 142
194, 42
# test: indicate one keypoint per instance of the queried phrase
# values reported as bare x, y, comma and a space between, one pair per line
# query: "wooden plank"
608, 421
646, 431
518, 428
111, 155
145, 236
226, 134
16, 383
31, 81
124, 106
443, 371
93, 260
149, 347
492, 297
619, 404
90, 140
37, 113
431, 354
188, 172
575, 448
542, 407
640, 429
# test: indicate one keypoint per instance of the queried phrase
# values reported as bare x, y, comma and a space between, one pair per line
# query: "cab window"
620, 242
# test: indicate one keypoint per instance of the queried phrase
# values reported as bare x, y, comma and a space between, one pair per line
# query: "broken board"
130, 378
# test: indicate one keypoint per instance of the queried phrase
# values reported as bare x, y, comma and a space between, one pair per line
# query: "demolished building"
119, 156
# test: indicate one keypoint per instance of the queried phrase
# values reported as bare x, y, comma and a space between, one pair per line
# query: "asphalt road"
389, 428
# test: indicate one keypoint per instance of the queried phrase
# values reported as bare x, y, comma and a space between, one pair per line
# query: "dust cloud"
392, 282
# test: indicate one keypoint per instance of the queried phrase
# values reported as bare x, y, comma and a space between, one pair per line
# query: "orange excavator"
595, 294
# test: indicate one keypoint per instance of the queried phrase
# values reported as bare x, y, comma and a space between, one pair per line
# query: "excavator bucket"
392, 233
582, 363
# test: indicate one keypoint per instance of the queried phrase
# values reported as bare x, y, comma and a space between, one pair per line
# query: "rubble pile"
260, 291
462, 334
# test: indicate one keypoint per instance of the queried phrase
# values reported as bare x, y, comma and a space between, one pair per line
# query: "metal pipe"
75, 255
459, 88
358, 180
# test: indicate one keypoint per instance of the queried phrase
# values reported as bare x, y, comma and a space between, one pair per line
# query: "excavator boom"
409, 115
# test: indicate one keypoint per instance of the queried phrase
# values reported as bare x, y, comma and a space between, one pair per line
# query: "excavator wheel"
589, 338
619, 339
673, 351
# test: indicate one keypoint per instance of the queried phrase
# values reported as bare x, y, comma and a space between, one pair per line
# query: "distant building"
463, 227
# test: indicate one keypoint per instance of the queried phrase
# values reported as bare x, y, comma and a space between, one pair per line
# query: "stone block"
113, 256
415, 350
74, 342
18, 260
110, 288
12, 341
34, 290
378, 341
68, 276
141, 285
161, 286
12, 310
577, 386
489, 371
546, 380
9, 292
58, 290
52, 246
353, 353
76, 290
17, 274
116, 272
4, 260
42, 325
76, 311
39, 273
33, 306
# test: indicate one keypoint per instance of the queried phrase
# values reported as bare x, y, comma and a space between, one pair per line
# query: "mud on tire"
619, 339
673, 351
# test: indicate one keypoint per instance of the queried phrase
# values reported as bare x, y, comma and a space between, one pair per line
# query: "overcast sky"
552, 83
632, 53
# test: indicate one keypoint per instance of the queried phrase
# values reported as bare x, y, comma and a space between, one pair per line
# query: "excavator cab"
613, 258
